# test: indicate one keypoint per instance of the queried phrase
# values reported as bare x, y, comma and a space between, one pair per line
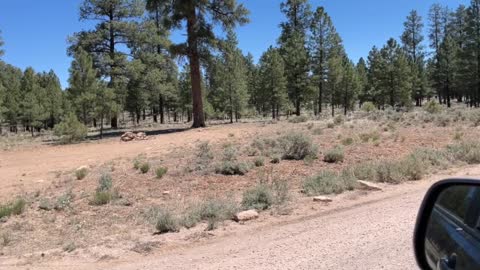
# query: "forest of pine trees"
125, 69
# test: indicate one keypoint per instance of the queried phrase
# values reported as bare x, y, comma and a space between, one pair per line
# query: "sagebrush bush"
317, 131
81, 173
368, 107
105, 182
338, 120
389, 172
64, 201
104, 194
101, 198
329, 182
259, 162
12, 209
297, 146
232, 168
145, 167
335, 155
433, 107
474, 117
160, 172
70, 130
443, 120
204, 156
259, 197
330, 125
365, 171
164, 220
468, 151
347, 141
298, 119
211, 210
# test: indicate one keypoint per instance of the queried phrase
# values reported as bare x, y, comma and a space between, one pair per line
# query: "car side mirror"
447, 232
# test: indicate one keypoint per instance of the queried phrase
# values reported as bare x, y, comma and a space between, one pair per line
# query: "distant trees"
127, 65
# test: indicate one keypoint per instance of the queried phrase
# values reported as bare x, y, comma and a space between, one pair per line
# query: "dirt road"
367, 233
376, 235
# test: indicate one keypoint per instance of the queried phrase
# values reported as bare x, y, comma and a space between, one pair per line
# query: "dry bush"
329, 182
297, 146
335, 155
12, 209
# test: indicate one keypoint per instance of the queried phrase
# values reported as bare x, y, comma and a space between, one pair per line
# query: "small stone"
322, 199
369, 185
166, 193
246, 215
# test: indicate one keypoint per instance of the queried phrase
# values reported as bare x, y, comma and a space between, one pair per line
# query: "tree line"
128, 63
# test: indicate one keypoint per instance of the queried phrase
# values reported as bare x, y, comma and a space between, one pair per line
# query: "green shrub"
104, 194
232, 168
145, 167
468, 152
64, 201
105, 182
347, 141
328, 182
389, 172
164, 220
298, 119
212, 211
259, 162
81, 173
365, 171
204, 156
161, 171
338, 120
317, 131
368, 107
70, 130
433, 107
13, 209
101, 198
310, 126
335, 155
443, 120
275, 160
413, 168
297, 146
474, 117
259, 197
330, 125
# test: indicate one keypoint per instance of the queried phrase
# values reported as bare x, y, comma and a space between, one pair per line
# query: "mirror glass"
452, 239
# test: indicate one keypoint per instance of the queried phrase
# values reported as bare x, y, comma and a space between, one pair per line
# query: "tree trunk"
193, 54
162, 110
101, 126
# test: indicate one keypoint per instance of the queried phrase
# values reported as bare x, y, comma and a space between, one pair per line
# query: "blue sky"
35, 32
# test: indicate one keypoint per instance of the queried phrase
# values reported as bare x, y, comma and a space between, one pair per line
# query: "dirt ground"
120, 233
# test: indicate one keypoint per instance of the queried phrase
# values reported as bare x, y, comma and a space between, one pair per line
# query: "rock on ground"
369, 185
246, 215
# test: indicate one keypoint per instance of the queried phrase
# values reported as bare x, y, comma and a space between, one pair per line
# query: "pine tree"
446, 70
83, 86
471, 53
335, 79
293, 49
272, 82
113, 30
322, 39
350, 85
235, 77
53, 99
200, 17
412, 39
31, 106
362, 75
